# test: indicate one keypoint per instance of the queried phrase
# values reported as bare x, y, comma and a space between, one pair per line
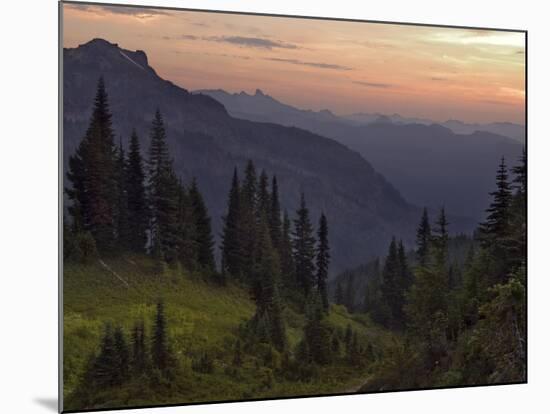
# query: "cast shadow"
49, 403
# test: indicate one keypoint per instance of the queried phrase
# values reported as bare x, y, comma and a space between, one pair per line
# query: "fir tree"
103, 371
138, 217
160, 354
496, 226
265, 290
516, 245
440, 239
232, 231
286, 255
405, 274
423, 238
304, 248
92, 173
317, 332
323, 260
248, 218
187, 230
263, 202
121, 217
122, 356
203, 230
140, 355
163, 195
391, 284
275, 225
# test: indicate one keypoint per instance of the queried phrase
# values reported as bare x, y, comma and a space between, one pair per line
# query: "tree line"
467, 321
121, 202
124, 203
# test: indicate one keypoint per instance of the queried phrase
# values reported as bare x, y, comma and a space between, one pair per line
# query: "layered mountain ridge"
364, 210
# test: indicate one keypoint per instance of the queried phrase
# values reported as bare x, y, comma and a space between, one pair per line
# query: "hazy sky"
436, 73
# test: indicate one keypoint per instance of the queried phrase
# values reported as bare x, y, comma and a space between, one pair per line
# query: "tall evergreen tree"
441, 239
304, 248
138, 216
265, 289
317, 332
232, 231
496, 226
286, 255
423, 238
323, 260
249, 222
103, 370
160, 353
187, 230
163, 194
405, 275
517, 243
391, 286
122, 355
203, 233
263, 202
140, 355
92, 173
121, 212
275, 225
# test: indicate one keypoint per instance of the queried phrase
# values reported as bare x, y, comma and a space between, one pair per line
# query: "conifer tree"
304, 248
122, 356
121, 213
286, 255
140, 355
517, 244
160, 353
138, 217
390, 287
104, 366
323, 260
275, 225
496, 226
405, 275
265, 290
441, 239
423, 238
520, 176
248, 218
263, 202
232, 231
187, 230
203, 229
92, 173
163, 195
317, 332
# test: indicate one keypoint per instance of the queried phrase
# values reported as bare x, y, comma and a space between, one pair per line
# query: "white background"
28, 205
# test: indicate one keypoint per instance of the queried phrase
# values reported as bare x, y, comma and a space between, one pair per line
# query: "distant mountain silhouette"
428, 163
364, 210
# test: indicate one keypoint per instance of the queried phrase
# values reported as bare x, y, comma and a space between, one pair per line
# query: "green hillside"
201, 317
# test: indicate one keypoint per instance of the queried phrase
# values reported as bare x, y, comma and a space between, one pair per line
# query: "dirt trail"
106, 266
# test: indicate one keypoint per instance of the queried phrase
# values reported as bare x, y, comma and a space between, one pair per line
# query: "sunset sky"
429, 72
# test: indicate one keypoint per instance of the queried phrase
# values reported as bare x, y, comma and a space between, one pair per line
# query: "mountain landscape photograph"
260, 207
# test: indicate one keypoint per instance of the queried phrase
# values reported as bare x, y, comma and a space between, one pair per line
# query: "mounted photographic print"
260, 206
